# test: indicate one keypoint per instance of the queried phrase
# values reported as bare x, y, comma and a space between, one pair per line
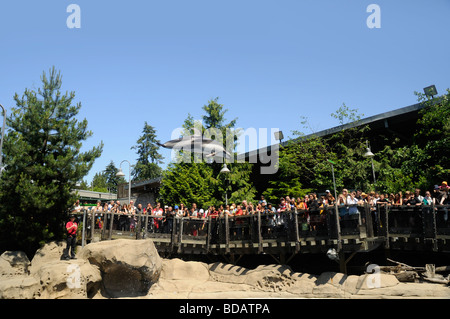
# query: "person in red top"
71, 228
213, 212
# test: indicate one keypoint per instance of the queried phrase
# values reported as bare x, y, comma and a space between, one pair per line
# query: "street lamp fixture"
370, 155
121, 174
225, 169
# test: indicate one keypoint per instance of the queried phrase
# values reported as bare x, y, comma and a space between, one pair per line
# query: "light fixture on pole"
369, 154
225, 171
279, 136
430, 91
121, 174
338, 226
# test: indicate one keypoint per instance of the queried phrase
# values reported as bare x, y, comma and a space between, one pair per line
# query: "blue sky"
269, 62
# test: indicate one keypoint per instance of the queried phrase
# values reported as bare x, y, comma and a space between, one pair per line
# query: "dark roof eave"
365, 121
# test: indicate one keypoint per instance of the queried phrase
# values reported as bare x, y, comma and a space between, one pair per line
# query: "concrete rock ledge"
133, 269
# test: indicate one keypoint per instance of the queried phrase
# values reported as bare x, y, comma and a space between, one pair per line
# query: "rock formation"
130, 268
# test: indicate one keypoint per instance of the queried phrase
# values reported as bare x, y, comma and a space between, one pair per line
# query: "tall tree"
432, 139
99, 182
147, 148
181, 180
215, 115
189, 183
111, 179
238, 182
44, 163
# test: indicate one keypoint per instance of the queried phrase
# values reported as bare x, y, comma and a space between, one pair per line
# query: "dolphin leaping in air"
198, 144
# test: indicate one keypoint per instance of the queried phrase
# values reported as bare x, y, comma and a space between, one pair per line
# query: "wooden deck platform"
257, 234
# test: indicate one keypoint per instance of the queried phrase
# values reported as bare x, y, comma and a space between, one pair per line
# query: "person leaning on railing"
443, 198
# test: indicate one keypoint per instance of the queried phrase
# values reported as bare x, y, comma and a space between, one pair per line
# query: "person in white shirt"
178, 212
77, 206
352, 200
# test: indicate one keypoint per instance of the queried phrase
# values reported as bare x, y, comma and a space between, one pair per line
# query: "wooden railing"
380, 221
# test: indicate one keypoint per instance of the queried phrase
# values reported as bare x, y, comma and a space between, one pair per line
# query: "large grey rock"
273, 278
20, 287
14, 263
227, 273
177, 269
128, 267
47, 253
49, 277
74, 279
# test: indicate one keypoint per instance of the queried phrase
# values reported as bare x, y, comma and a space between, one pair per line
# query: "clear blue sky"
269, 62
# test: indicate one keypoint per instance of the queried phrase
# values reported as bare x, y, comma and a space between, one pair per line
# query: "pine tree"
111, 179
148, 157
189, 183
200, 181
99, 183
43, 164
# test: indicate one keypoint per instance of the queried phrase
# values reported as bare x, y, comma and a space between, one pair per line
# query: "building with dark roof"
400, 123
142, 192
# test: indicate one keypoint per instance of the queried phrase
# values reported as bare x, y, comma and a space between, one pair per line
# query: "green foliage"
111, 179
215, 115
303, 165
200, 181
281, 188
44, 162
432, 139
99, 183
346, 115
240, 184
147, 148
399, 167
188, 183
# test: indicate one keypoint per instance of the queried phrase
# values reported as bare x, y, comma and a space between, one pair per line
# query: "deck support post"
343, 262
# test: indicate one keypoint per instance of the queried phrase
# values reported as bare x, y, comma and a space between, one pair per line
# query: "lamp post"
225, 171
369, 154
121, 174
338, 226
3, 136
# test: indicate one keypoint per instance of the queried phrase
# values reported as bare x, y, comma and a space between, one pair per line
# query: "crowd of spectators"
347, 203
